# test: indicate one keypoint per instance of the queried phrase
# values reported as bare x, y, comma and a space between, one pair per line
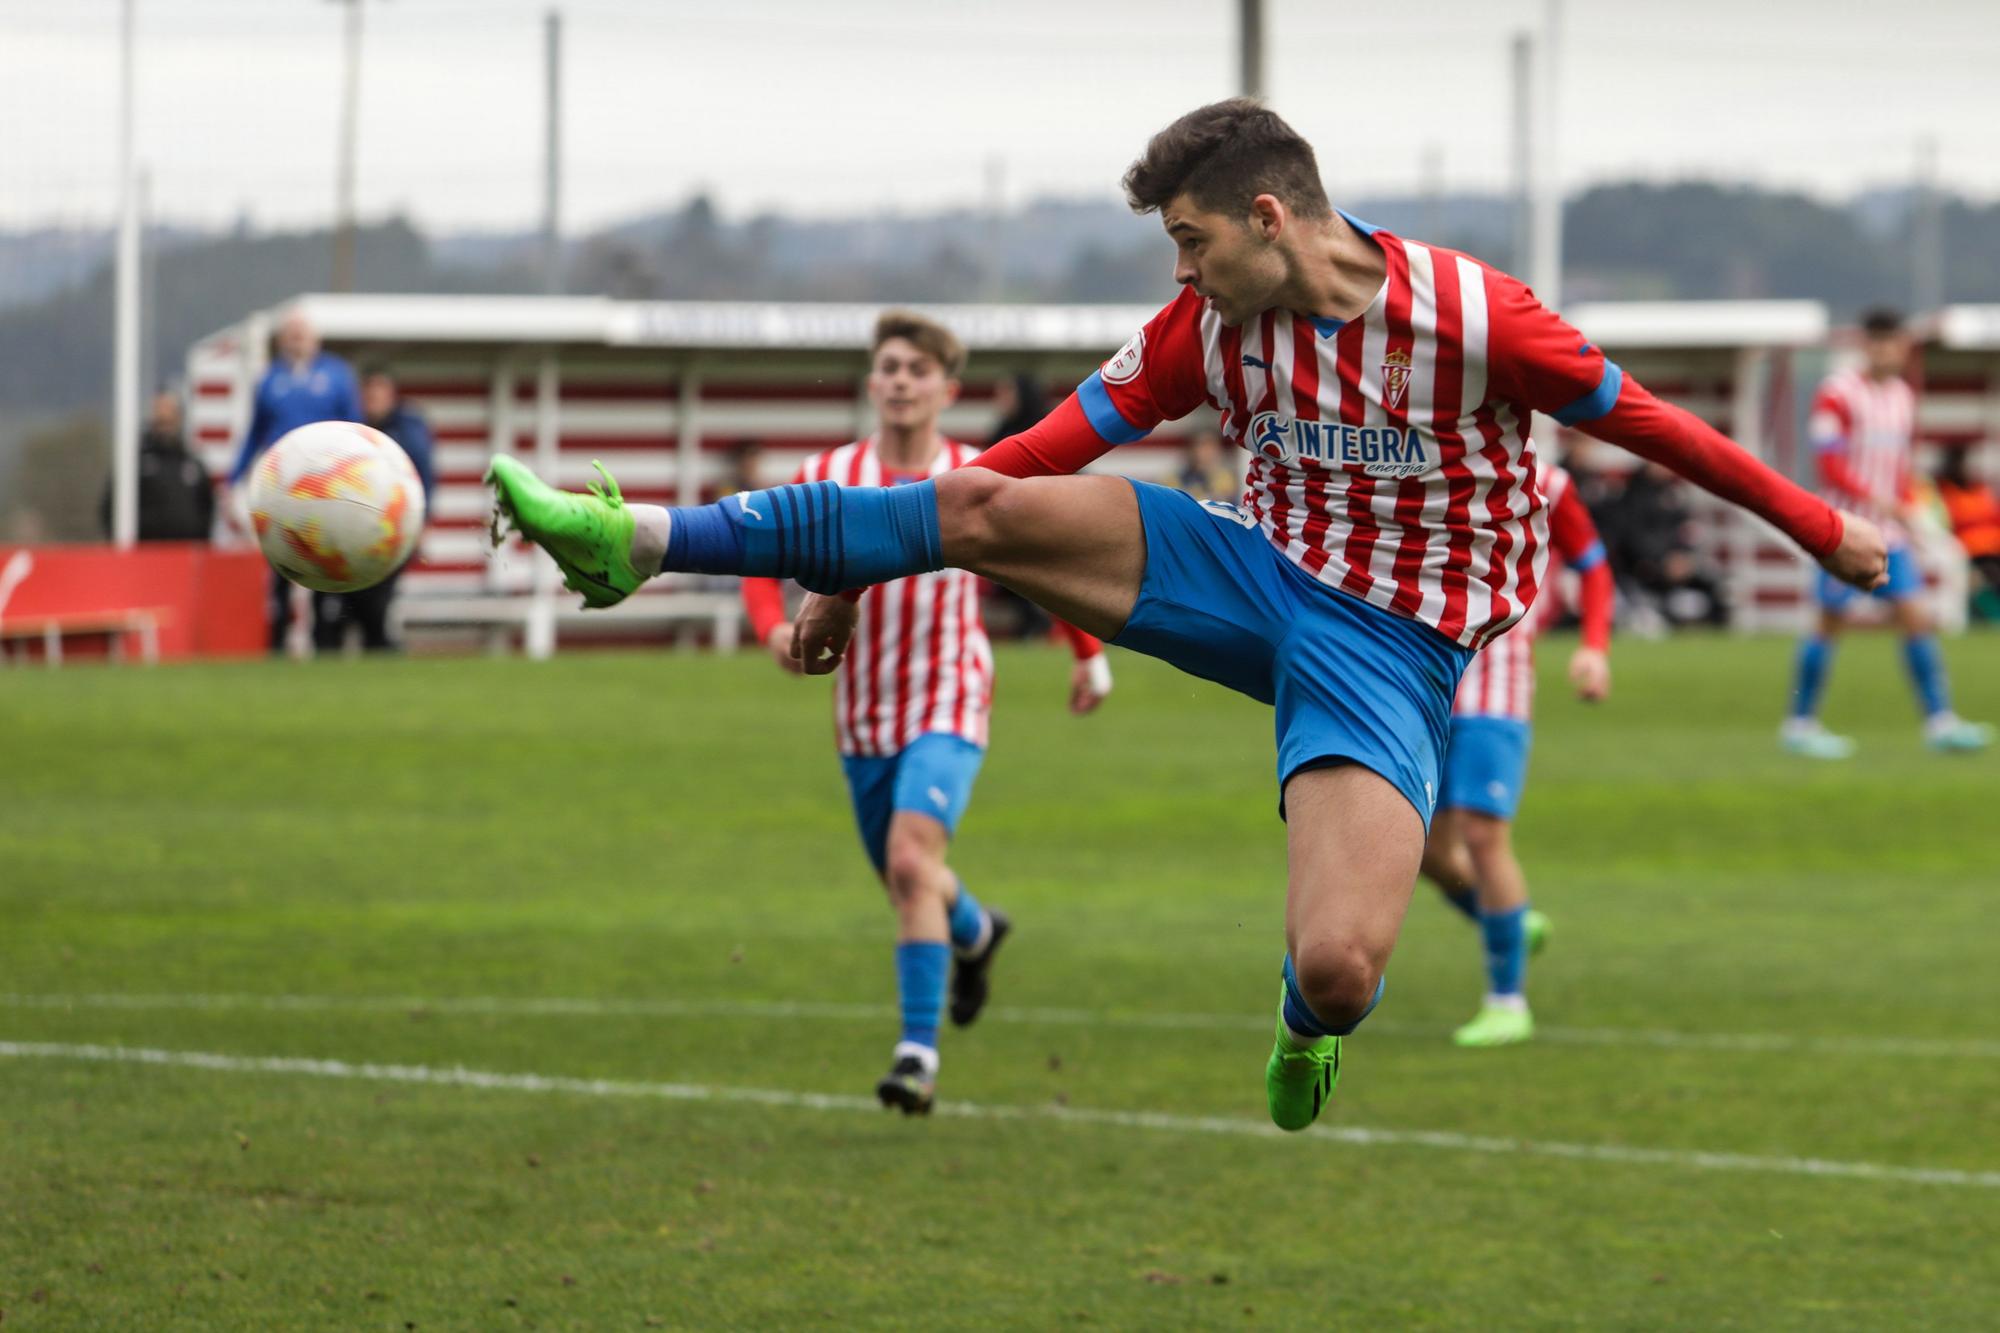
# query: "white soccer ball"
337, 506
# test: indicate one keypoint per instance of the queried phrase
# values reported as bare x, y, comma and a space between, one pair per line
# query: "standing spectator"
1205, 472
368, 608
1974, 511
1650, 535
303, 385
176, 497
1020, 402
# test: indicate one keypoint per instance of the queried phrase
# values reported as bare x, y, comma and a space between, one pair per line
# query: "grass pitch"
567, 980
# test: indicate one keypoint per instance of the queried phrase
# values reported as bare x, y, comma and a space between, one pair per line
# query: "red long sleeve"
1835, 471
1085, 646
764, 601
1060, 443
1593, 605
1711, 460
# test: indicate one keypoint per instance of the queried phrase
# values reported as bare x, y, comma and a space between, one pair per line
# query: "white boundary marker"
1970, 1048
1680, 1159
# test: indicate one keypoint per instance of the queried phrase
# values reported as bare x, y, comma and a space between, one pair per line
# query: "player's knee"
910, 870
975, 506
1485, 835
1338, 981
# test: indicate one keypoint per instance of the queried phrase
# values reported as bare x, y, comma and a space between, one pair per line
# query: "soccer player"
1470, 853
911, 703
1861, 425
1392, 522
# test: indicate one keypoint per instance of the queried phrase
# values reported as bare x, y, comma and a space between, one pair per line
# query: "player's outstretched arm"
1537, 359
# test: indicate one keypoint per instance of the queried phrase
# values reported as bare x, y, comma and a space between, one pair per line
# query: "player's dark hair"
370, 369
927, 335
1224, 155
1881, 321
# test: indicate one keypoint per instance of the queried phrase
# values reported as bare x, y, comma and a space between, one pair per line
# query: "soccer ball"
336, 506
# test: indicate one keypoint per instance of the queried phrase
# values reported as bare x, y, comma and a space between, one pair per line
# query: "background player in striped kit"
1392, 525
1861, 428
911, 704
1470, 852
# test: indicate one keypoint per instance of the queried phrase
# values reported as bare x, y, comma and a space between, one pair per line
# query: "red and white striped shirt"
1861, 428
920, 661
1391, 456
1500, 679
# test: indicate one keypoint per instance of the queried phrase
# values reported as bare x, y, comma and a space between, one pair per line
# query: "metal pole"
1250, 47
125, 317
552, 156
343, 203
1521, 73
1927, 234
1545, 270
149, 292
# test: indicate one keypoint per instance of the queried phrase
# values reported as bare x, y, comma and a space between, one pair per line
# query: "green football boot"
1298, 1081
588, 536
1535, 925
1496, 1025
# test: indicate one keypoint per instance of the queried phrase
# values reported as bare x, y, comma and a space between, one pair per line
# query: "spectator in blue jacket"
383, 408
303, 385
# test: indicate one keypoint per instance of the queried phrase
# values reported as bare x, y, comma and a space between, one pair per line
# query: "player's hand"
1862, 558
779, 644
1590, 674
821, 633
1089, 682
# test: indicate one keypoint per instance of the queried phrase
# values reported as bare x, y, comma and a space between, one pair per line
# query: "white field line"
560, 1006
1676, 1158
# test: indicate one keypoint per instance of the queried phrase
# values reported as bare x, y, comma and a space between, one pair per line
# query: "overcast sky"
831, 106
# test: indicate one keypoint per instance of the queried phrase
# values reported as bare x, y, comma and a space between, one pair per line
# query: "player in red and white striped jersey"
1470, 852
911, 703
1862, 427
1393, 523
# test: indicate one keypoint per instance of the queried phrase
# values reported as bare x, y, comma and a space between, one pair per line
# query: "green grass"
672, 828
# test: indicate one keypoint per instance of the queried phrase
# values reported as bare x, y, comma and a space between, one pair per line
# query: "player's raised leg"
1072, 544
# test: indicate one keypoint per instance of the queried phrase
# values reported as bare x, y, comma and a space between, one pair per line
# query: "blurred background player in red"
1470, 852
911, 702
1861, 428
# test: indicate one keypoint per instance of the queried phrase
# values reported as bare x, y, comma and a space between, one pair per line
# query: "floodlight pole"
125, 315
1250, 47
552, 155
350, 107
1521, 82
1545, 267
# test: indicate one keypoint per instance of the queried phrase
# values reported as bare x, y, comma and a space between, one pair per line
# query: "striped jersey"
1390, 455
1500, 679
920, 661
1861, 428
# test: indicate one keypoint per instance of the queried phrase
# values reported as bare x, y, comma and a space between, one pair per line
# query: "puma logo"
1256, 361
743, 503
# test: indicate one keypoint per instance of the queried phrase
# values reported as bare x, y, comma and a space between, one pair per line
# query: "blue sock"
1809, 680
1506, 950
920, 974
827, 537
968, 919
1300, 1018
1466, 900
1926, 663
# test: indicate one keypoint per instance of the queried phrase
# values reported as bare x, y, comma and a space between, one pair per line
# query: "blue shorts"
932, 775
1352, 683
1486, 766
1905, 581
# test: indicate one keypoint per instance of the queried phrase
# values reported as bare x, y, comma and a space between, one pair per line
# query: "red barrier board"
204, 602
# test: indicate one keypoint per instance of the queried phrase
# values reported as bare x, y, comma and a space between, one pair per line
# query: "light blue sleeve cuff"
1592, 557
1103, 413
1598, 401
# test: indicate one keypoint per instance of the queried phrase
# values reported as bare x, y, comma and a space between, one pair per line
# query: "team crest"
1395, 378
